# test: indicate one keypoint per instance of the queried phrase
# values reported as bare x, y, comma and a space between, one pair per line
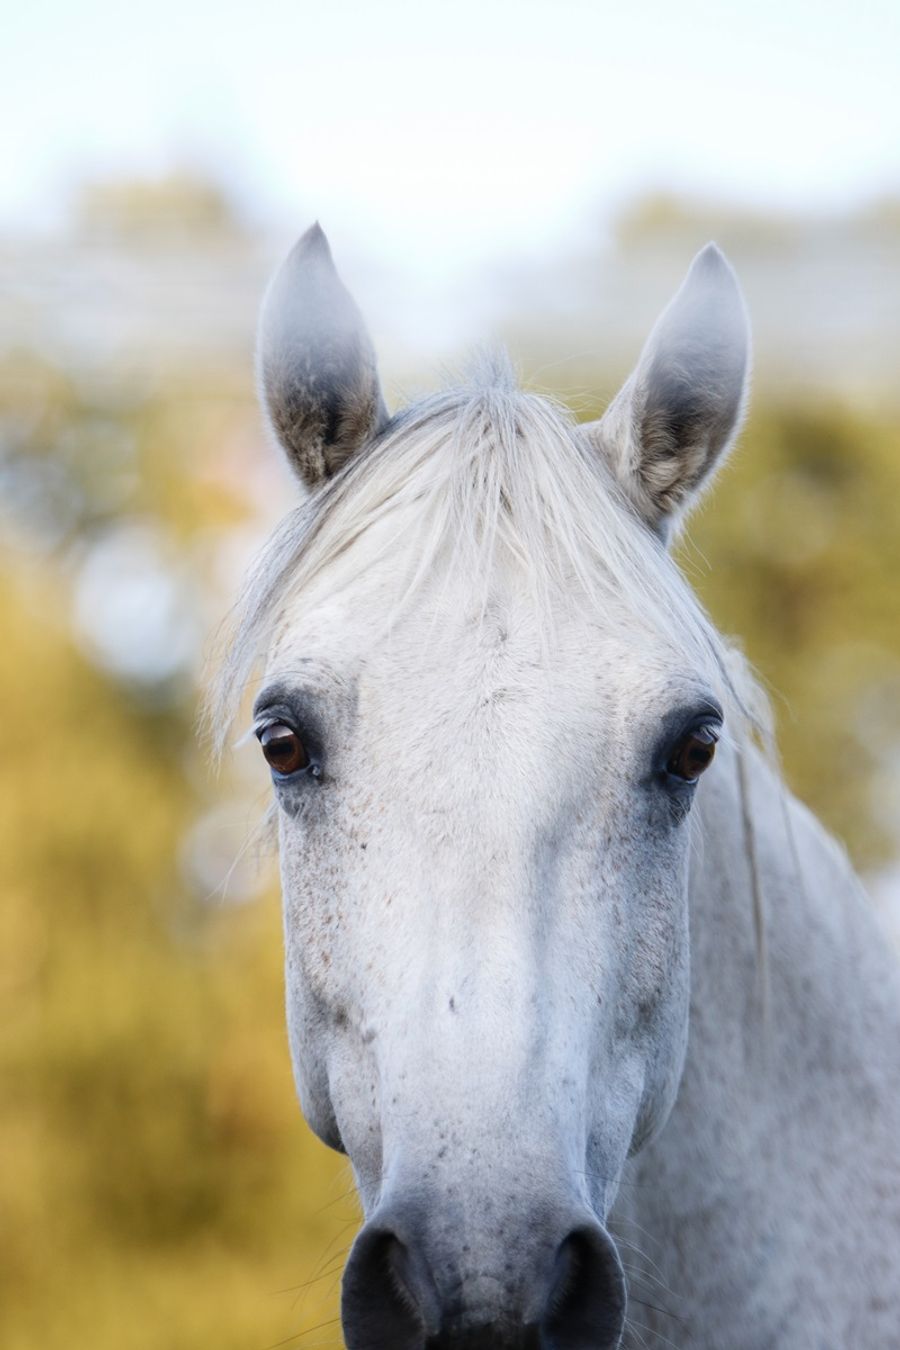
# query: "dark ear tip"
711, 267
711, 259
313, 243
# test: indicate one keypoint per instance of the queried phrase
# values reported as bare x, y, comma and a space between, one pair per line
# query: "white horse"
612, 1052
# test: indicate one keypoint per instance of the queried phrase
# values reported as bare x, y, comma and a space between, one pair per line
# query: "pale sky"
439, 135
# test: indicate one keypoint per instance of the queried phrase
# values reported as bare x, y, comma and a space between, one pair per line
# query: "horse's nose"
557, 1294
388, 1298
585, 1306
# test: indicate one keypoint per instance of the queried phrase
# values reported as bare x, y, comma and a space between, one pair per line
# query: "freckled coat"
767, 1212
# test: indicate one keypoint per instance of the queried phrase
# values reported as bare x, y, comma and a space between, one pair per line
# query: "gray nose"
561, 1288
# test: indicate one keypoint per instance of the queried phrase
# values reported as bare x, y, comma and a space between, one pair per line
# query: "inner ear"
678, 413
690, 408
317, 373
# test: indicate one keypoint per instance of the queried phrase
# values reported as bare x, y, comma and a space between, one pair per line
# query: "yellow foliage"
158, 1186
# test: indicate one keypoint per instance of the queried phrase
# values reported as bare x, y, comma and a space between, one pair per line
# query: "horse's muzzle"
563, 1292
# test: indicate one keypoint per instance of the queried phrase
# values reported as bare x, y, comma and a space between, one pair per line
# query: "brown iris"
693, 754
283, 749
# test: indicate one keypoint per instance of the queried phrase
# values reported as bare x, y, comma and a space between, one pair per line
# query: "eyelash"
704, 733
311, 765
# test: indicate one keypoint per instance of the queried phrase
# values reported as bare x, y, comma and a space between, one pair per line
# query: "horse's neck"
791, 971
791, 1067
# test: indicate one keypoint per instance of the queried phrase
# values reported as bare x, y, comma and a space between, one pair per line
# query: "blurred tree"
798, 552
158, 1182
176, 208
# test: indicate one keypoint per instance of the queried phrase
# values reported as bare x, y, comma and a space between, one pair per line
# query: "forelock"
488, 471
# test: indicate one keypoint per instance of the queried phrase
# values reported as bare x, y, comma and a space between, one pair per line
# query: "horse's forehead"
481, 657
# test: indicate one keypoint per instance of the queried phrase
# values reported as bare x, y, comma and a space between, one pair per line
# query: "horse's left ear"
681, 408
316, 366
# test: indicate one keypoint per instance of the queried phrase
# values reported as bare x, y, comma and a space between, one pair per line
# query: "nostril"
381, 1296
586, 1306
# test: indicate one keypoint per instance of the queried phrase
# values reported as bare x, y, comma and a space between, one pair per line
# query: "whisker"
635, 1273
294, 1288
320, 1326
325, 1266
653, 1307
653, 1332
631, 1329
626, 1218
624, 1242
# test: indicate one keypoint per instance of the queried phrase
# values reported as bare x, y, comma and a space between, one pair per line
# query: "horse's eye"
283, 748
693, 753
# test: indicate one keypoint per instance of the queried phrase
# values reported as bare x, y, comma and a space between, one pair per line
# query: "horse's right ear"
315, 363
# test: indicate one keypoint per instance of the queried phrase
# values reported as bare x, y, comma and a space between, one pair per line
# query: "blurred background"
536, 172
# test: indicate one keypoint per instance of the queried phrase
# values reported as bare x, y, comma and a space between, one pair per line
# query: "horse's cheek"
313, 907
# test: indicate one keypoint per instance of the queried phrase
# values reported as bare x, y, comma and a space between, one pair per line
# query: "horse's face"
484, 869
484, 847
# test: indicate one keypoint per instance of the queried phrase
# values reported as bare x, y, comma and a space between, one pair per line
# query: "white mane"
490, 471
